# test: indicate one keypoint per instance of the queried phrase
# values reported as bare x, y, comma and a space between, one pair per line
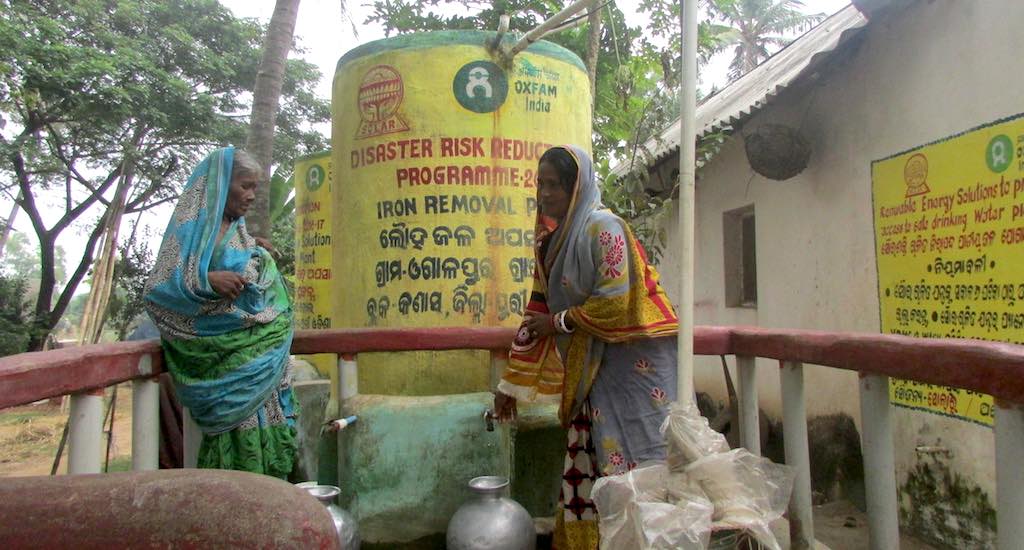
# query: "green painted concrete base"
313, 397
406, 462
539, 457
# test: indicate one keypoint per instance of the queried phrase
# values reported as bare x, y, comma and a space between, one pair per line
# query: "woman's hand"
226, 283
504, 407
539, 324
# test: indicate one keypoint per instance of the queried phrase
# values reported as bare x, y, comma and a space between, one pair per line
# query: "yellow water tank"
435, 148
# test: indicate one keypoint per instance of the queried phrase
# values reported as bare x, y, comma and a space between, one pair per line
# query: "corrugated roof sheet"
754, 90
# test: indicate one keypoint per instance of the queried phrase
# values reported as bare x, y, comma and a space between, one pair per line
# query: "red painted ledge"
988, 367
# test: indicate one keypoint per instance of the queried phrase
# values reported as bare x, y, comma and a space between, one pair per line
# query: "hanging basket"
776, 151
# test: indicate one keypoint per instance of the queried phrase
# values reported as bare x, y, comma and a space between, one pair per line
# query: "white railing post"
145, 424
85, 435
191, 439
750, 429
348, 387
348, 378
499, 360
879, 462
794, 430
1009, 482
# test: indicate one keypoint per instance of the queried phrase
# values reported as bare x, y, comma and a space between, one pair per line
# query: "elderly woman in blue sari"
598, 335
226, 321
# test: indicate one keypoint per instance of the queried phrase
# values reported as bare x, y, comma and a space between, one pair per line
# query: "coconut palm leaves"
757, 25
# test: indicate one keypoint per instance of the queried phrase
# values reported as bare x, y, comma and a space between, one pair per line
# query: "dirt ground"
841, 526
29, 436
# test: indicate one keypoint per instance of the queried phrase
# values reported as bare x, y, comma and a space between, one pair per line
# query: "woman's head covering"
178, 293
586, 198
570, 243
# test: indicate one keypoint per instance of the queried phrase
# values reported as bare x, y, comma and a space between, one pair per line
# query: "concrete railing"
986, 367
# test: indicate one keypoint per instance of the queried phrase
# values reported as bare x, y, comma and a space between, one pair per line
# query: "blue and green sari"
229, 359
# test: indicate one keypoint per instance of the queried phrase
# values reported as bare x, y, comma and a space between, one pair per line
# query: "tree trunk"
593, 48
267, 92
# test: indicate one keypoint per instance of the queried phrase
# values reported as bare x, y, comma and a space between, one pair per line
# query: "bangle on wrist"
560, 323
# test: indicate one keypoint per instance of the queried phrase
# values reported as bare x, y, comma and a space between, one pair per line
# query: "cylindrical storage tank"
435, 150
434, 155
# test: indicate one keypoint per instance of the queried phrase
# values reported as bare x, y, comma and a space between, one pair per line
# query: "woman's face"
240, 195
553, 198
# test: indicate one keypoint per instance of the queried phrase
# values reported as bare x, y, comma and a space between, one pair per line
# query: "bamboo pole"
103, 268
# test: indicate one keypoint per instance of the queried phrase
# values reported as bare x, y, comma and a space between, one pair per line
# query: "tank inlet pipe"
339, 424
503, 23
547, 26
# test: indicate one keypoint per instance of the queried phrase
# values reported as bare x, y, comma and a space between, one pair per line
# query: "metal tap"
489, 419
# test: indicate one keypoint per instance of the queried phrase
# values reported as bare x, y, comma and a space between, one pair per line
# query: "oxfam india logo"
480, 86
315, 177
999, 153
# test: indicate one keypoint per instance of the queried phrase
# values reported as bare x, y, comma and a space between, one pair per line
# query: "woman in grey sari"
599, 334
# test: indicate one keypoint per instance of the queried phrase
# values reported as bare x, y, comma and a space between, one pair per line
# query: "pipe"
571, 25
546, 27
687, 175
340, 424
503, 23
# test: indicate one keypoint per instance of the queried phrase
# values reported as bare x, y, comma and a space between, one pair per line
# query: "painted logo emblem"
915, 175
480, 86
380, 95
999, 153
315, 177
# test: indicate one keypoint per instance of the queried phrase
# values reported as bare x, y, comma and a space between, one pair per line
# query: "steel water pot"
491, 521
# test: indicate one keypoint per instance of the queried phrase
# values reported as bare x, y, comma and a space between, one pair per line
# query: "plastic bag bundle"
650, 509
689, 436
748, 492
703, 488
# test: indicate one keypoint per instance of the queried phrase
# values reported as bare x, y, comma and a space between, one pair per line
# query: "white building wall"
935, 69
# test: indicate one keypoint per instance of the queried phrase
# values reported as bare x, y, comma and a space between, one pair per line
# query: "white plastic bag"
689, 436
650, 509
748, 492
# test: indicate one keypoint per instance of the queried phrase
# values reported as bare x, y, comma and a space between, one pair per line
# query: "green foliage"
631, 196
21, 258
131, 270
282, 220
14, 324
99, 95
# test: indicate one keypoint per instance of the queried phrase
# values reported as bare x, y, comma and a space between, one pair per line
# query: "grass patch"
15, 418
120, 464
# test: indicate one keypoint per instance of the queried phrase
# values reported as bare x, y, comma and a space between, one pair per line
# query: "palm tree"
266, 95
757, 25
